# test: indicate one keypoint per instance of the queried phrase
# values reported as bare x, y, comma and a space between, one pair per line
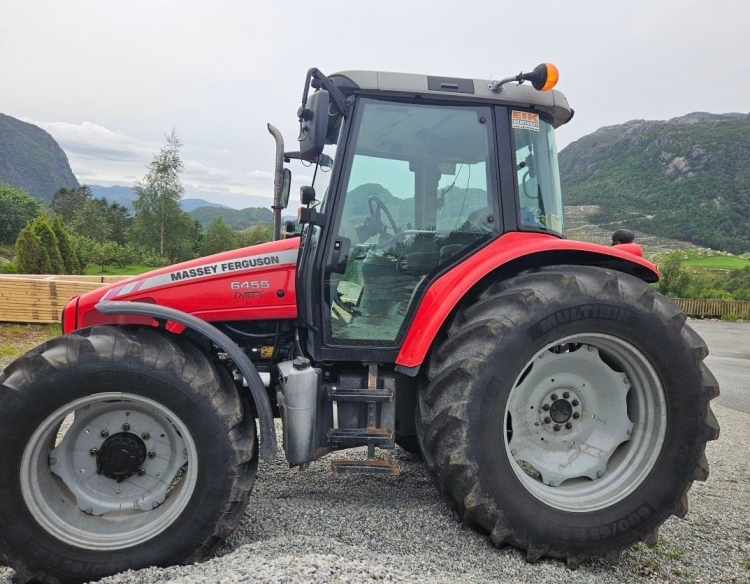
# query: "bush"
154, 260
8, 268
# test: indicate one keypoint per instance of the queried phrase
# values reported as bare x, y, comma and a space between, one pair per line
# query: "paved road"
728, 359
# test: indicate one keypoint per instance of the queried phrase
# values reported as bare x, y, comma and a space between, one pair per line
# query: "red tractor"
431, 300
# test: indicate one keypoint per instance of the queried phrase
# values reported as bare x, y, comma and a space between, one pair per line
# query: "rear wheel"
567, 413
120, 450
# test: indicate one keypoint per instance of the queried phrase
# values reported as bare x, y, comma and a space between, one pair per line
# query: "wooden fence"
40, 299
706, 308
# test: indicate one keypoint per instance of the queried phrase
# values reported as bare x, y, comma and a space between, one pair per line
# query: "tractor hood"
250, 283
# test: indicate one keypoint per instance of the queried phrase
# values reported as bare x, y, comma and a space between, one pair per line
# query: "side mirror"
286, 185
313, 125
325, 161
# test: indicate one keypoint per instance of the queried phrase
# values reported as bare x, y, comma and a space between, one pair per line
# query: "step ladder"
380, 401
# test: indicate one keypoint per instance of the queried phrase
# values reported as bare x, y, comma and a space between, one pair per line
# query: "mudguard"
268, 445
531, 250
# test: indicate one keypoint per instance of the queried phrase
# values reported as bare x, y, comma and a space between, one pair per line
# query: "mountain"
687, 178
32, 160
115, 194
125, 197
192, 204
237, 219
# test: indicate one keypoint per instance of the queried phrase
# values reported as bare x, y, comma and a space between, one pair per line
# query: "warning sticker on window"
525, 121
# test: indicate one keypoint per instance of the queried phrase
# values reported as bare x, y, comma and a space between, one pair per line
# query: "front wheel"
567, 413
120, 450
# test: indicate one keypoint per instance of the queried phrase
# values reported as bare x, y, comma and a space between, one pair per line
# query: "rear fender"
268, 445
503, 258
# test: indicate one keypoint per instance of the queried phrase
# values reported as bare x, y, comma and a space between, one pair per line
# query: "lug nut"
568, 426
125, 427
547, 420
576, 415
103, 433
566, 395
151, 454
545, 407
557, 427
145, 435
141, 472
574, 402
553, 397
93, 452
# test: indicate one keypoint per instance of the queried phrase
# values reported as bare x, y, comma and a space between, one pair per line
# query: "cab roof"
553, 102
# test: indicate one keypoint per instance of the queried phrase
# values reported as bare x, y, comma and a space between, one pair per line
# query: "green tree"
674, 281
119, 221
218, 237
67, 251
43, 230
160, 225
67, 202
17, 208
105, 254
258, 233
84, 249
91, 220
31, 253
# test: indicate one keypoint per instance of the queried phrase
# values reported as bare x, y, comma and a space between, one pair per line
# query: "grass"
661, 549
708, 259
16, 339
117, 271
718, 262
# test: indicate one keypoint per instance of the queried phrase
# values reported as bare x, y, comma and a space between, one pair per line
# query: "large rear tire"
119, 449
567, 413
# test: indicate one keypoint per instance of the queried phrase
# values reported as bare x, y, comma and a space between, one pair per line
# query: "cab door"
417, 193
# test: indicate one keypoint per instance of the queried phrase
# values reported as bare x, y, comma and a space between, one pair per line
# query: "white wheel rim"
84, 509
585, 422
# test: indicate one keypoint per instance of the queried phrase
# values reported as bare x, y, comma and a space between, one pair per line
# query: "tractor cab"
414, 174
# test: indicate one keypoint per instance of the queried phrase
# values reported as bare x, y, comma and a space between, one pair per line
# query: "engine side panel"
251, 283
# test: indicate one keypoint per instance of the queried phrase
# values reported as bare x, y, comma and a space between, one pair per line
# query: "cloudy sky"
109, 79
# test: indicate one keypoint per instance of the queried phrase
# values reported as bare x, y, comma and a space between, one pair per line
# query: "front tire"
119, 449
567, 413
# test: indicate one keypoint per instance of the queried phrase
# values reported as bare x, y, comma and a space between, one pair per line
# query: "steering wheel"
524, 183
373, 204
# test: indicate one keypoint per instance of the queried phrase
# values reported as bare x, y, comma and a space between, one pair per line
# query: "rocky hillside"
31, 160
687, 178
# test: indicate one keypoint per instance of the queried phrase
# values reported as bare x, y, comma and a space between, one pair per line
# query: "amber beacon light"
543, 78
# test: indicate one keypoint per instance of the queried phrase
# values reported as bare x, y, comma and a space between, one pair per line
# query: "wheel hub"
120, 456
561, 411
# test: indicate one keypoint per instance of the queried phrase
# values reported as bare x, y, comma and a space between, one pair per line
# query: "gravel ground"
314, 526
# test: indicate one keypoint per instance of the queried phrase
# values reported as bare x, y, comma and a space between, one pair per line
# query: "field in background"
710, 260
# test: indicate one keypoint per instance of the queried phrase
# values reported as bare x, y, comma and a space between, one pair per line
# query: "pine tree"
31, 253
69, 257
43, 230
